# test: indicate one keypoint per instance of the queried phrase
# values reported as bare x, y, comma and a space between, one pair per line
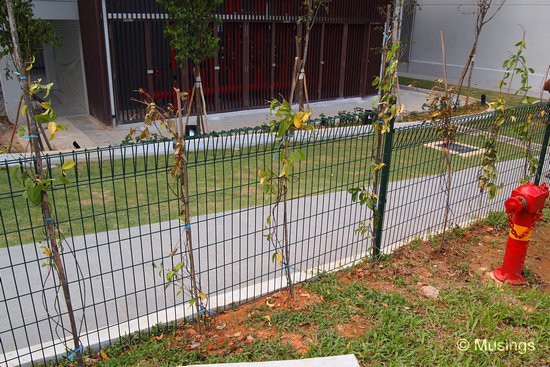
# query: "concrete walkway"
125, 293
87, 132
348, 360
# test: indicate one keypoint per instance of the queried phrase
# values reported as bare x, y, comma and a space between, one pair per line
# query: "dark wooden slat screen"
256, 57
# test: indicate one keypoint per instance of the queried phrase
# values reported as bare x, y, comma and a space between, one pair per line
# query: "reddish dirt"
476, 253
5, 135
230, 330
356, 327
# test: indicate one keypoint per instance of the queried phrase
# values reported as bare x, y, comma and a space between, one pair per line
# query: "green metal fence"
119, 214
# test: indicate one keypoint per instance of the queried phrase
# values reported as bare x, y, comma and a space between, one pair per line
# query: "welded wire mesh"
119, 221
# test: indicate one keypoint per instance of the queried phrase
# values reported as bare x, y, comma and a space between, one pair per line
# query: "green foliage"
33, 32
34, 186
190, 30
514, 65
47, 115
275, 181
312, 9
387, 111
498, 220
284, 125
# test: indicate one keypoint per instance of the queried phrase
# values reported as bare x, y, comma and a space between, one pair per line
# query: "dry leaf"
104, 355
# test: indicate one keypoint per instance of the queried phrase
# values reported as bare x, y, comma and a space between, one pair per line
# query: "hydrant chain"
527, 231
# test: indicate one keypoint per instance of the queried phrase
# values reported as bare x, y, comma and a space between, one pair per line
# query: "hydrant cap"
515, 204
534, 196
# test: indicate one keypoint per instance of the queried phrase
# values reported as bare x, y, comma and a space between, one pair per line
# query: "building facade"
456, 18
122, 48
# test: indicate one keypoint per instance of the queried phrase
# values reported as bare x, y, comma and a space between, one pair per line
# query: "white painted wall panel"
456, 19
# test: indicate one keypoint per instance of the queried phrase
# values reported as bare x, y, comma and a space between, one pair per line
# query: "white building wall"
456, 19
44, 9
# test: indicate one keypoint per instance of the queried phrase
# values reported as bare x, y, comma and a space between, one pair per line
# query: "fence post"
543, 152
378, 220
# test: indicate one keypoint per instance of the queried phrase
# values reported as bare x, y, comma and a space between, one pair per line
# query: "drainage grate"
458, 148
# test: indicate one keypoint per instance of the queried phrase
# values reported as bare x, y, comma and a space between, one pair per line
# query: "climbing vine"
514, 65
275, 182
387, 111
159, 121
37, 181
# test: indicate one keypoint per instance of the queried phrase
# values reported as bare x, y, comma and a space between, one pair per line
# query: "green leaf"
300, 154
68, 165
64, 180
178, 267
17, 175
33, 192
170, 275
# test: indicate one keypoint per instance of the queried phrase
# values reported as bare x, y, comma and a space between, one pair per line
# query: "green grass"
389, 329
474, 92
122, 193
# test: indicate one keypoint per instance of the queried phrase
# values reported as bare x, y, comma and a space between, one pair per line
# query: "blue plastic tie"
48, 219
187, 227
23, 77
286, 266
72, 355
203, 310
33, 136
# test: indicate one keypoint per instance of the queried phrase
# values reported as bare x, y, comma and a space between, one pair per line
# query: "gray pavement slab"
348, 360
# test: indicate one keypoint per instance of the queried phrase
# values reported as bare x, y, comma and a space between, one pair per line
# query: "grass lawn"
378, 312
122, 193
474, 92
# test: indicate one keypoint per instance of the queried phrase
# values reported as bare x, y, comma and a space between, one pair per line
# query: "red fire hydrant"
524, 209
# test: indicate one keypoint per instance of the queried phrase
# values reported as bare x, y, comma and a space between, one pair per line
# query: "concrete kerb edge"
50, 350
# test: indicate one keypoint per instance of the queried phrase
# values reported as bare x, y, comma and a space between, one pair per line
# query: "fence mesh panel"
119, 221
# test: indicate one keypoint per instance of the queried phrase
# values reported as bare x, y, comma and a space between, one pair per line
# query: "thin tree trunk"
184, 187
468, 85
302, 75
294, 80
467, 66
286, 241
36, 151
198, 101
448, 141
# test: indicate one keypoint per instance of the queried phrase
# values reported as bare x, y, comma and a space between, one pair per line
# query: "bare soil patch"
6, 130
